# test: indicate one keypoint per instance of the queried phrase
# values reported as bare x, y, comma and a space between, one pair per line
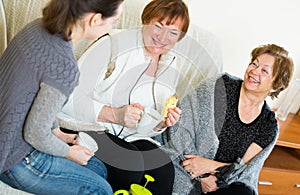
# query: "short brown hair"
282, 69
171, 9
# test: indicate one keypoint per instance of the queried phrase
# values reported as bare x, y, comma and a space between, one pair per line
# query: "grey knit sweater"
198, 132
38, 71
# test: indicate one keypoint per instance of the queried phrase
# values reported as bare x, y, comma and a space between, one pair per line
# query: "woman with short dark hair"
141, 74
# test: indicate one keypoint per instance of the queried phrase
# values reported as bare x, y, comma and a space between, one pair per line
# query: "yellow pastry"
170, 103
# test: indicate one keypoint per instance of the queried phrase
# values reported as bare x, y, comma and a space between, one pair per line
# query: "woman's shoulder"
269, 115
228, 78
228, 84
268, 127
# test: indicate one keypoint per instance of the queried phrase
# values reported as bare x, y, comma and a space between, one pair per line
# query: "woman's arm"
251, 152
198, 165
127, 115
209, 183
65, 137
39, 124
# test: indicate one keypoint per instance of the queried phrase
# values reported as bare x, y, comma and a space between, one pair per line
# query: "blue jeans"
41, 173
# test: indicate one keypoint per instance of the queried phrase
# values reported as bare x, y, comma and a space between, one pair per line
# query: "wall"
240, 26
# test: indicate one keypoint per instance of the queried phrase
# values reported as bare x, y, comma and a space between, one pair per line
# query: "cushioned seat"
3, 35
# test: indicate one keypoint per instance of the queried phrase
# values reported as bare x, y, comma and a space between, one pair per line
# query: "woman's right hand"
129, 115
209, 184
198, 165
79, 154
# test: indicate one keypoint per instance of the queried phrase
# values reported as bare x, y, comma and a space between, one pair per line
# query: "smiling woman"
160, 37
141, 76
227, 130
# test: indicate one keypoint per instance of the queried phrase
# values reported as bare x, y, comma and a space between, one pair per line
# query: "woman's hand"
129, 115
197, 165
209, 184
65, 137
173, 117
79, 154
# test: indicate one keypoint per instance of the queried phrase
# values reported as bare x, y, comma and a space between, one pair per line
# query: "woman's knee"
97, 166
101, 187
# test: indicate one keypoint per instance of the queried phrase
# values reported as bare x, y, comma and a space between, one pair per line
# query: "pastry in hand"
171, 102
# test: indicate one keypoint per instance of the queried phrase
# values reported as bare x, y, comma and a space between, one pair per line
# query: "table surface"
289, 135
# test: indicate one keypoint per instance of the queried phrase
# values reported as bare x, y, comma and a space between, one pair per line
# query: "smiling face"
259, 75
159, 37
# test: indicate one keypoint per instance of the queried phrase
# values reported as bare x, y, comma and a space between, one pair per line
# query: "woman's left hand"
65, 137
173, 117
197, 165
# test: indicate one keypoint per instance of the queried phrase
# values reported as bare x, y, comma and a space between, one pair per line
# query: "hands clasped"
199, 166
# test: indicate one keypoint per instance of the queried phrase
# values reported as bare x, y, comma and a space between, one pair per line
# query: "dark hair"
59, 16
282, 69
171, 9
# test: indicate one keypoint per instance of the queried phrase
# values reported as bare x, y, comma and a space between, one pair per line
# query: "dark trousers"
127, 163
233, 189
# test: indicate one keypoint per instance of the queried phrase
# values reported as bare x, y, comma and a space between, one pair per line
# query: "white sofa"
3, 33
15, 14
206, 53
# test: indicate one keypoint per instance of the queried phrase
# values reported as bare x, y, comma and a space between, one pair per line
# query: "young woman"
38, 72
227, 130
141, 75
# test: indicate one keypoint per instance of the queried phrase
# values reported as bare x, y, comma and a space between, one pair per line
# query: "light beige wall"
242, 25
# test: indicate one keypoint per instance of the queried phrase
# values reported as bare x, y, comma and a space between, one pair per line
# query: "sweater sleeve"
196, 124
245, 173
193, 134
39, 124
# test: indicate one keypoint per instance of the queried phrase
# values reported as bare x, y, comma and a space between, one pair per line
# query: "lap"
157, 164
127, 162
233, 189
118, 153
44, 173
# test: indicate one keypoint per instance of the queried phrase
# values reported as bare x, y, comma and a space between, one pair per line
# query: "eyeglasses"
170, 33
